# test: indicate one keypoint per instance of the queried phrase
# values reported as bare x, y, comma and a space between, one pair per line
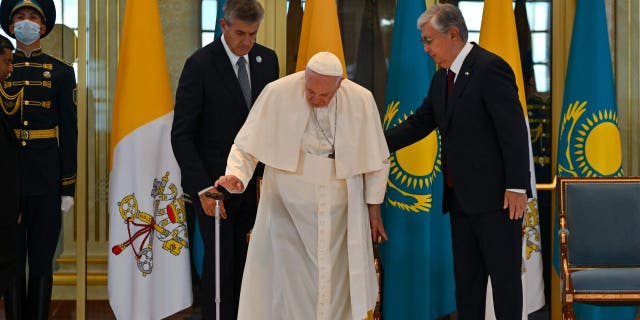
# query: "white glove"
66, 204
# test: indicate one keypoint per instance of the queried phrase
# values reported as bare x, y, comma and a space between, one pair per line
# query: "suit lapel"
228, 75
448, 102
462, 79
256, 65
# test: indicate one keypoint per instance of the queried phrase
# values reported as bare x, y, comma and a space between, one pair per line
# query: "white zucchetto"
325, 63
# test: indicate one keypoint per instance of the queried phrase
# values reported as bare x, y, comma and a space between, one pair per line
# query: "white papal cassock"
310, 254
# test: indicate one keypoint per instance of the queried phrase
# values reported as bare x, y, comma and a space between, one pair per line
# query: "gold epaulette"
70, 64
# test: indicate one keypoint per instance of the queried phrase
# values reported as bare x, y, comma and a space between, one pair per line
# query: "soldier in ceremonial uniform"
41, 110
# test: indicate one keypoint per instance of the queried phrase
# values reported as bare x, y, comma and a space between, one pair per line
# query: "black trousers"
486, 244
38, 234
8, 256
241, 214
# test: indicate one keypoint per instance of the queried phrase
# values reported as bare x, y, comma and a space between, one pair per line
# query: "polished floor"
100, 310
97, 310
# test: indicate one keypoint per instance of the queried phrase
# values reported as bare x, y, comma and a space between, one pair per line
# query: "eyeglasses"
428, 40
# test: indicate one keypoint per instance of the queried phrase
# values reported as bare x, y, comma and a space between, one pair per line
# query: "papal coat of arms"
166, 223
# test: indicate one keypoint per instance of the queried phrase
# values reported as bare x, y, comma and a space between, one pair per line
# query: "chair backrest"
603, 219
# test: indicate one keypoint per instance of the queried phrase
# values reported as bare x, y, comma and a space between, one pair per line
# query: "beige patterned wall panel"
61, 43
273, 30
627, 75
181, 30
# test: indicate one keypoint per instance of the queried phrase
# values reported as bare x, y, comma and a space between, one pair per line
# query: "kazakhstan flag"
589, 141
417, 259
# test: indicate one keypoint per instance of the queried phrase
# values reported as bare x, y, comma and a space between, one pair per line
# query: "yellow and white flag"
149, 271
498, 34
320, 32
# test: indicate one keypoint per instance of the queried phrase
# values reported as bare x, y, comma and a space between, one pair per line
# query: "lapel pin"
258, 59
466, 73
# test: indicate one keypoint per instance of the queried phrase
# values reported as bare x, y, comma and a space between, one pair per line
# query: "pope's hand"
231, 183
377, 228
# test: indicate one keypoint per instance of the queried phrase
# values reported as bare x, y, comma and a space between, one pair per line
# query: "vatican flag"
498, 34
149, 272
320, 32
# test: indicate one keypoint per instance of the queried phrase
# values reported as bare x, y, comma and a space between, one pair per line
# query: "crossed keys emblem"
167, 223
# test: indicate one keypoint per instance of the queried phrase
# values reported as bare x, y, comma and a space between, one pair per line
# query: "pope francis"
320, 138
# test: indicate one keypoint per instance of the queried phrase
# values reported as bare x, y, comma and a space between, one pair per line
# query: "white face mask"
26, 31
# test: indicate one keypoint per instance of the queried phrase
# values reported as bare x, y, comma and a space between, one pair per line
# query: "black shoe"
39, 297
14, 299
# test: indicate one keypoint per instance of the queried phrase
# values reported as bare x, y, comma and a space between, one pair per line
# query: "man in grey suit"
473, 101
217, 87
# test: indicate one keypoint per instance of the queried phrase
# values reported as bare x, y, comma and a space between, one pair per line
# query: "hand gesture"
375, 220
517, 204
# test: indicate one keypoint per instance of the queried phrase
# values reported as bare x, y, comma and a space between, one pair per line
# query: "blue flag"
219, 15
589, 141
417, 260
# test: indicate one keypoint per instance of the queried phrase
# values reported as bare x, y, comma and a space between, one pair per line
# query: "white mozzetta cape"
273, 130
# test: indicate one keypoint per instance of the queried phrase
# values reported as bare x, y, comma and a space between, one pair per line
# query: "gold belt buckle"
24, 134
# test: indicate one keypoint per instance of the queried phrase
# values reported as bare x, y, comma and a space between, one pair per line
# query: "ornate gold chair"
599, 241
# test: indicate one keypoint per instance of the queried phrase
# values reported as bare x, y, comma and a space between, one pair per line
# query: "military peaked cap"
45, 7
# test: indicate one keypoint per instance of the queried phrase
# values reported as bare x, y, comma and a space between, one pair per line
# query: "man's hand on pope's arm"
209, 203
516, 202
375, 219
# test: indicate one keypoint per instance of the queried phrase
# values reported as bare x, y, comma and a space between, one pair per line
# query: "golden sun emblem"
413, 169
590, 143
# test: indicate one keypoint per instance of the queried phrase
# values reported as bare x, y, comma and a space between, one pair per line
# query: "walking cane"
218, 196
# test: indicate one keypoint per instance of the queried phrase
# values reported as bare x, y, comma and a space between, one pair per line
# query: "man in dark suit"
217, 87
41, 110
473, 101
10, 186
